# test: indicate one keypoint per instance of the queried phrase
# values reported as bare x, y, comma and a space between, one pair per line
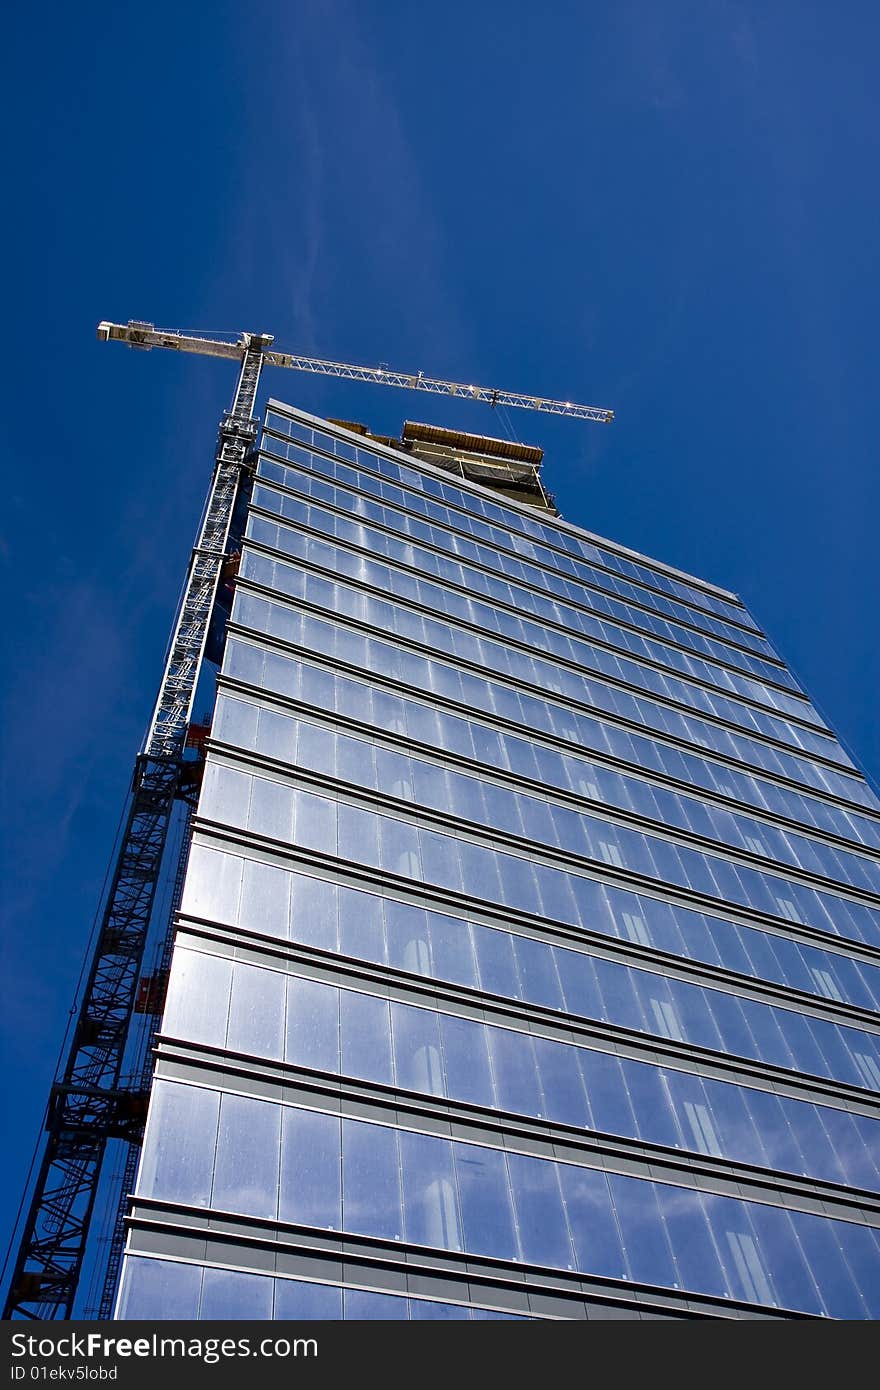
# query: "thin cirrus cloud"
352, 223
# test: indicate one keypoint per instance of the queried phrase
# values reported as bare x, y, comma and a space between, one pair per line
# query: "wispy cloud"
344, 161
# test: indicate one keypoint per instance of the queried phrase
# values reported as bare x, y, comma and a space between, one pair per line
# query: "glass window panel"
311, 1169
401, 848
696, 1257
869, 1130
479, 872
732, 1026
784, 1259
358, 835
366, 1037
466, 1060
298, 1301
540, 1215
287, 624
727, 1122
651, 1105
557, 898
540, 825
451, 950
225, 794
486, 1211
198, 997
256, 1011
235, 722
770, 1045
660, 1012
519, 888
621, 1001
361, 926
314, 911
159, 1290
429, 1194
371, 1201
422, 1310
516, 1075
277, 736
744, 1265
354, 760
407, 935
470, 800
312, 1030
679, 932
315, 823
640, 1215
822, 1251
537, 971
565, 1099
213, 884
248, 1154
771, 1122
439, 858
417, 1057
692, 1008
851, 1056
496, 961
265, 899
393, 774
179, 1144
595, 1233
607, 1093
820, 1158
271, 810
860, 1248
580, 984
762, 957
731, 950
231, 1296
316, 747
430, 784
363, 1306
425, 725
850, 1138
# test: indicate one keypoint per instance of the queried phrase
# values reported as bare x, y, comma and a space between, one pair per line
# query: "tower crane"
96, 1096
146, 336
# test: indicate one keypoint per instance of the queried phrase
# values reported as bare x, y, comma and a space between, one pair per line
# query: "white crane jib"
146, 336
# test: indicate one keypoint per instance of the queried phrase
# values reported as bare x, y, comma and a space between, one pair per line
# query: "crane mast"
93, 1099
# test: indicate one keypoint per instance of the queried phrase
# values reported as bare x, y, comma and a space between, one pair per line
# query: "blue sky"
667, 209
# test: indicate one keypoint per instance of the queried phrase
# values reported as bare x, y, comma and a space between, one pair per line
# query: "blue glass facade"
528, 962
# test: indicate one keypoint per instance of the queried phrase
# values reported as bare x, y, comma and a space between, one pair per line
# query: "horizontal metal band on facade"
221, 1069
302, 528
502, 841
578, 533
388, 982
555, 697
581, 672
497, 776
174, 1231
587, 585
447, 704
334, 869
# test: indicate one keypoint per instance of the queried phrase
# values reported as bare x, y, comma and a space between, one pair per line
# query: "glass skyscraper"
528, 963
